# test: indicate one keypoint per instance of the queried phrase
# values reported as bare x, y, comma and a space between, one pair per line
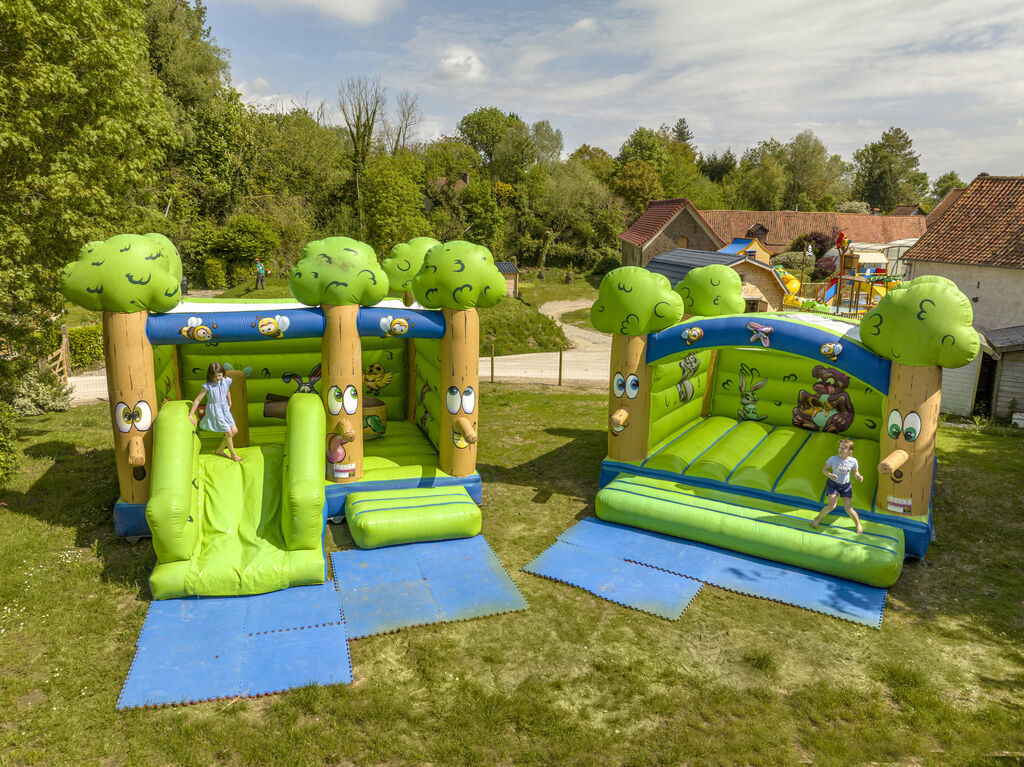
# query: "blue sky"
950, 73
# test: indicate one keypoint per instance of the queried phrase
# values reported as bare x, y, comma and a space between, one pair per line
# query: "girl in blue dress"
218, 409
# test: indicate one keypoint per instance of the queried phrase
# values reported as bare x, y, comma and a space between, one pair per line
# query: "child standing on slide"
218, 410
838, 469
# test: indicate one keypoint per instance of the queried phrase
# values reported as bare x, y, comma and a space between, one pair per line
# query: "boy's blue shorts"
832, 487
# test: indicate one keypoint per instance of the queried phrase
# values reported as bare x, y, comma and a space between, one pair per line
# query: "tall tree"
637, 183
813, 173
397, 133
597, 160
362, 102
945, 182
484, 128
646, 145
547, 141
394, 202
681, 132
83, 126
887, 171
717, 166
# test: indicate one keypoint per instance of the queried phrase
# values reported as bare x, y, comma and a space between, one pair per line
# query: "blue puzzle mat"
198, 649
612, 578
387, 589
592, 540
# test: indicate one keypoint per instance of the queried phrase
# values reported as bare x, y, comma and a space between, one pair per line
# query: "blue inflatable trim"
773, 332
213, 327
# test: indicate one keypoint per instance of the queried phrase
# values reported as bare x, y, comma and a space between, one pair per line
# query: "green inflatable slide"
222, 528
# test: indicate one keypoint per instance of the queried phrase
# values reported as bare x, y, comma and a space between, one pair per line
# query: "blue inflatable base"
586, 547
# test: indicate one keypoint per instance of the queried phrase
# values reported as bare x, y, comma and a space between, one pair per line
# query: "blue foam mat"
612, 578
198, 649
390, 588
730, 570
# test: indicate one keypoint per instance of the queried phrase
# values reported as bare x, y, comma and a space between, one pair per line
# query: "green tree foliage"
815, 178
484, 128
483, 217
127, 273
597, 161
83, 128
404, 262
632, 301
717, 166
394, 201
645, 145
711, 291
515, 152
926, 321
887, 172
637, 183
458, 275
547, 141
338, 271
680, 132
944, 183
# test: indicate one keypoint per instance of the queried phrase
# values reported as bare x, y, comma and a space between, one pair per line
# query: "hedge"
215, 274
86, 346
8, 442
240, 273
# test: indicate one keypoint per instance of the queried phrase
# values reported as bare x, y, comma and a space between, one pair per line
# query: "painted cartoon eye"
895, 424
123, 417
632, 387
912, 426
334, 400
453, 400
350, 399
142, 416
468, 400
619, 384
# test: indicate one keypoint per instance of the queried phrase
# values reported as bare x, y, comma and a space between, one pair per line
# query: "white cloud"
459, 64
361, 12
588, 24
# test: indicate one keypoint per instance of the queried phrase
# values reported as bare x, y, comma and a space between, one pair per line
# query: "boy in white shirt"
838, 469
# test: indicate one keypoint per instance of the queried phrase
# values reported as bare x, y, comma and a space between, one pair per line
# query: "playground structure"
719, 426
301, 373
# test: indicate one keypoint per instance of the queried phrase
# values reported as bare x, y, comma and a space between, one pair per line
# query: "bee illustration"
195, 330
273, 327
693, 335
832, 350
394, 326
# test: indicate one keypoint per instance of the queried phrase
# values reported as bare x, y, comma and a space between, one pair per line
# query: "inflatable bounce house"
349, 406
720, 423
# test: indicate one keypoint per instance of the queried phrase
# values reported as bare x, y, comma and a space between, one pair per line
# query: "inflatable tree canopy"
405, 261
710, 291
338, 271
127, 273
923, 322
634, 302
458, 275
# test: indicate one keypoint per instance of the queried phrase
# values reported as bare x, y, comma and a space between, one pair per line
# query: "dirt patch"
31, 698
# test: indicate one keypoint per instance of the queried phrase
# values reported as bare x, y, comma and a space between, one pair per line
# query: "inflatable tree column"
922, 326
127, 277
631, 303
401, 267
340, 274
457, 277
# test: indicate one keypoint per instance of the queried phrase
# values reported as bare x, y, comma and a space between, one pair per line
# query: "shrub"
791, 260
516, 328
820, 242
606, 264
86, 345
239, 273
8, 449
215, 274
39, 392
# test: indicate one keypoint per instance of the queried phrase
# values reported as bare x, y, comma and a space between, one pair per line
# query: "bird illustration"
376, 378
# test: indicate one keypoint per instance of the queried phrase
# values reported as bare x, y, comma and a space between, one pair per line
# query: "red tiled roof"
658, 213
944, 204
784, 226
905, 210
984, 227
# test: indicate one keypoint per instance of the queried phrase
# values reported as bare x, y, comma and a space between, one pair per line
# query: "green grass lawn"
574, 679
580, 318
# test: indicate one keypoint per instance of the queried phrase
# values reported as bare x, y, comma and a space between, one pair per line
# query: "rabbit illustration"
748, 400
689, 365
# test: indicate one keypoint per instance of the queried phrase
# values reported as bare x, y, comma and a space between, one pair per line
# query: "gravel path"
581, 338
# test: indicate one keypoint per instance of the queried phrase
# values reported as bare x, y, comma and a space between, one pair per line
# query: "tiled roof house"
670, 224
978, 243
